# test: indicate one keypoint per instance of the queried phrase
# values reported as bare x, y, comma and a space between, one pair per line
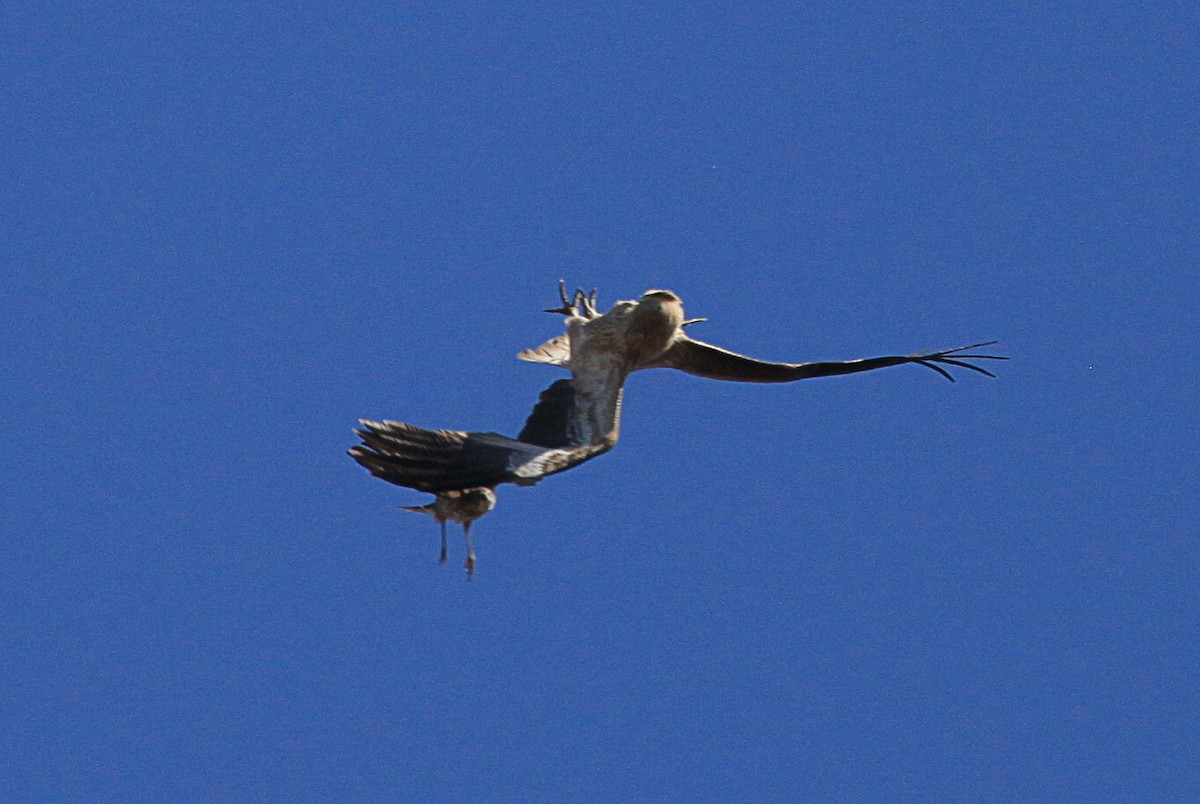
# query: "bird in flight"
578, 419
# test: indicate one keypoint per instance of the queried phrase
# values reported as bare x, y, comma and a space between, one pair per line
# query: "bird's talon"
581, 304
569, 306
588, 303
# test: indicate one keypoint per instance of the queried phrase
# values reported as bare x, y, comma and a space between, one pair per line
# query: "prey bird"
578, 419
463, 507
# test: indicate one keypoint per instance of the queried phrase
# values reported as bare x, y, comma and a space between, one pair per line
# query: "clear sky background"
230, 230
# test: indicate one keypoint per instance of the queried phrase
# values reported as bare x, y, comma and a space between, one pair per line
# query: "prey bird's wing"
706, 360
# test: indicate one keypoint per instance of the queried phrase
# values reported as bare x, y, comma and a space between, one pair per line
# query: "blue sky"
229, 232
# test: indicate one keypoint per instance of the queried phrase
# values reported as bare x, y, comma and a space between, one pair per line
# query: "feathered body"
574, 420
463, 507
578, 419
605, 349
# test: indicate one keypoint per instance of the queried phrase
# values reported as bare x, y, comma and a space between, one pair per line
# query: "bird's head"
662, 304
662, 296
653, 325
665, 297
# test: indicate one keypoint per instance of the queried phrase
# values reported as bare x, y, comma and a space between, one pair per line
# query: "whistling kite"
577, 419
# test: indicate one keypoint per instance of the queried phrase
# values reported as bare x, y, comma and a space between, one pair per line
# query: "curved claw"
578, 304
588, 303
955, 357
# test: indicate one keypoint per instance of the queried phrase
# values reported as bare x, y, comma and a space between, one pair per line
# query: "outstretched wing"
438, 460
706, 360
550, 422
448, 460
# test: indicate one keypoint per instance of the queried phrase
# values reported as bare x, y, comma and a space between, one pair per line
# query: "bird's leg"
470, 565
442, 559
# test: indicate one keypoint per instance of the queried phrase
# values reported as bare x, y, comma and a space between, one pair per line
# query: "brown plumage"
689, 355
463, 507
573, 421
578, 419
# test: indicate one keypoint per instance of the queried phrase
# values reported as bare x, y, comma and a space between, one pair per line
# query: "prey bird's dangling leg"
442, 559
470, 565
